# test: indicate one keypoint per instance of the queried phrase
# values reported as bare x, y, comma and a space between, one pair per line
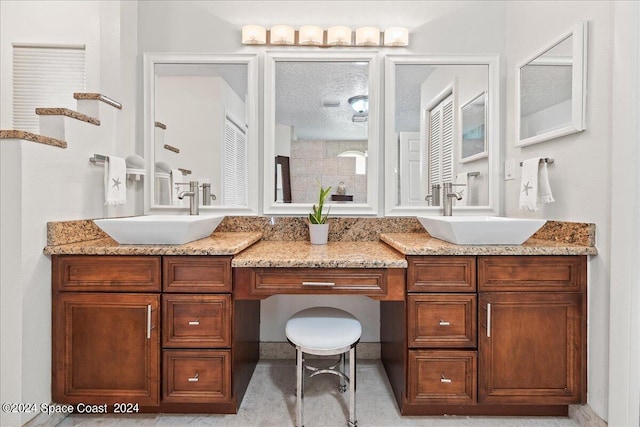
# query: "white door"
411, 191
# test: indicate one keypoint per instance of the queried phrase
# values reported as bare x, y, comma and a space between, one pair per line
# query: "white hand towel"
115, 181
463, 191
534, 188
176, 179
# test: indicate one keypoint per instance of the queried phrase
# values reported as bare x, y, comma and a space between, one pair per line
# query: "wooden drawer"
442, 320
106, 273
196, 376
202, 321
441, 274
442, 377
378, 283
532, 273
196, 274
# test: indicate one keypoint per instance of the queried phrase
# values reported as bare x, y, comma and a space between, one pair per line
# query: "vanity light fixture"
282, 34
311, 35
367, 36
339, 35
254, 34
396, 36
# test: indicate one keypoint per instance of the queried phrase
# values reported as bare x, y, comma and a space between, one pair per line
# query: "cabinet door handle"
444, 379
444, 323
148, 321
318, 284
194, 323
193, 379
488, 320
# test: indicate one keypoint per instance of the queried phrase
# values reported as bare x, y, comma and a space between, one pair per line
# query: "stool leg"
343, 384
352, 387
299, 388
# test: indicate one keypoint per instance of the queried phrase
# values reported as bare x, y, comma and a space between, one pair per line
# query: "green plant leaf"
316, 217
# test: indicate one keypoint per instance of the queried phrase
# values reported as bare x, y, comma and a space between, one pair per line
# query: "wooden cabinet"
106, 345
531, 348
532, 339
162, 332
488, 335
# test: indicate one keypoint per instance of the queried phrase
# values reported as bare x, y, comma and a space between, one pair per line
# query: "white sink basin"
159, 229
481, 230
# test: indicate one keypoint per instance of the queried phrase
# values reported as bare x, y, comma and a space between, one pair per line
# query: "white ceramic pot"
319, 233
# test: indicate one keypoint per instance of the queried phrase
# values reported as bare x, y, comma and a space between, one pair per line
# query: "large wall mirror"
441, 125
551, 89
200, 121
321, 121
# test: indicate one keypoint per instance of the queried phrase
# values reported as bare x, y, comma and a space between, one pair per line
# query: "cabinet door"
106, 348
531, 348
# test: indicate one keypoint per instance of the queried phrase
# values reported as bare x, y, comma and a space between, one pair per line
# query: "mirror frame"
373, 147
578, 87
484, 153
492, 129
252, 110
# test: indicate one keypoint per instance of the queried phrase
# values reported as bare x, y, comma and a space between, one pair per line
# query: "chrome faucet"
434, 196
207, 197
449, 195
194, 193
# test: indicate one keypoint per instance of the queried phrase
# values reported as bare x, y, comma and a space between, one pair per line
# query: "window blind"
235, 165
441, 142
45, 76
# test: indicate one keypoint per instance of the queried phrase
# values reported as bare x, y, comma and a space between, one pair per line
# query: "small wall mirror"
551, 90
473, 129
321, 128
201, 125
442, 125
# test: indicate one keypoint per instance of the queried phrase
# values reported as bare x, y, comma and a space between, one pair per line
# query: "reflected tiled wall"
315, 162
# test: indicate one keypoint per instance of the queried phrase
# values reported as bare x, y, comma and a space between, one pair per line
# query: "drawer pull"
148, 321
488, 320
318, 284
194, 323
444, 379
193, 379
444, 323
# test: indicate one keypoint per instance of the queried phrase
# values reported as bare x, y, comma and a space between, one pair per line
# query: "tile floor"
270, 401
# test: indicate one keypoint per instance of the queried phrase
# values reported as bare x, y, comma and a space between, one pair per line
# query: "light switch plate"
510, 169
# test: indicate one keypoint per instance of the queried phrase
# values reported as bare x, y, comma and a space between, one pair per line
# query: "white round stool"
325, 331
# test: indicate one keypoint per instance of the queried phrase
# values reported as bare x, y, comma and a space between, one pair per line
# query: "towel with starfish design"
534, 187
115, 176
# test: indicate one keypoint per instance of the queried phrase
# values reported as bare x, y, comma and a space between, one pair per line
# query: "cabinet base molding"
498, 410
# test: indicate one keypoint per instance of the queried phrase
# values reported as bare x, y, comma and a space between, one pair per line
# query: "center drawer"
367, 281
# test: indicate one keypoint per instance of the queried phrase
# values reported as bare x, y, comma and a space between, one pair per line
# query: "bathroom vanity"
495, 330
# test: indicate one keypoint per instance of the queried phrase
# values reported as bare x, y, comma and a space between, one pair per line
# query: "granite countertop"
424, 244
216, 244
332, 255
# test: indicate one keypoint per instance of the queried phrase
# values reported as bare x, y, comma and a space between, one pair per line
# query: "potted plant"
318, 227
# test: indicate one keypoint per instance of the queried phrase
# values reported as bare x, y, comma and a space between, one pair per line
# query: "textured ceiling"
543, 86
303, 87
